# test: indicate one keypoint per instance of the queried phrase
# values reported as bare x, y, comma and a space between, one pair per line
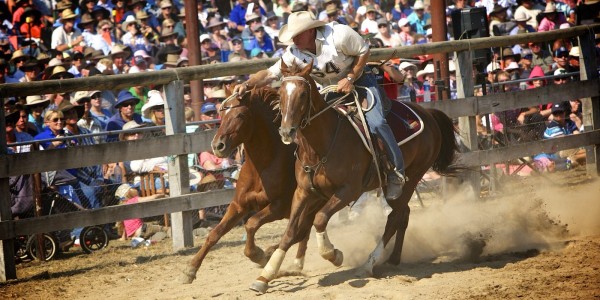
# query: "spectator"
125, 105
552, 19
119, 55
136, 228
369, 24
247, 34
540, 57
87, 120
97, 112
147, 31
262, 40
67, 37
419, 19
107, 38
133, 37
136, 6
410, 85
272, 26
497, 17
22, 124
31, 70
521, 19
36, 105
402, 9
406, 36
209, 50
13, 134
154, 110
237, 49
238, 19
282, 9
530, 9
166, 12
217, 36
389, 38
209, 112
17, 60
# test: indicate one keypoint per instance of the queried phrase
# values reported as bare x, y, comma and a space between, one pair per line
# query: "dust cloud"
463, 227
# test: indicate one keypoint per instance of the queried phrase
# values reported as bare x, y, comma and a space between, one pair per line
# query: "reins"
311, 170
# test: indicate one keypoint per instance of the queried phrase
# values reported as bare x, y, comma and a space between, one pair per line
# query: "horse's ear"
284, 67
228, 90
307, 68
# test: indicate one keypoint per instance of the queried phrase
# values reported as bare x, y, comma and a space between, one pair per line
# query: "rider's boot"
395, 183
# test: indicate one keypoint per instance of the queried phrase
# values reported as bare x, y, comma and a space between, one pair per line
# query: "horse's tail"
444, 163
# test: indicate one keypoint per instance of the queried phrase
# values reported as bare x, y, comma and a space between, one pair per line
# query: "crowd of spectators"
48, 40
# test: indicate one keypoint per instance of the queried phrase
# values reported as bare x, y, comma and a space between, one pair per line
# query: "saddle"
405, 123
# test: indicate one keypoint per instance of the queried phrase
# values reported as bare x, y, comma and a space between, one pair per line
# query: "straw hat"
428, 70
154, 99
67, 106
419, 5
60, 71
68, 14
165, 4
512, 66
42, 58
122, 190
214, 22
497, 9
85, 19
298, 22
218, 94
406, 65
141, 15
35, 100
80, 96
130, 125
252, 16
62, 5
521, 16
204, 37
18, 54
167, 33
171, 60
120, 50
574, 51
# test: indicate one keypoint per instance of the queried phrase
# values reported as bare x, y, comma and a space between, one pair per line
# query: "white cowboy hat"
298, 22
512, 66
36, 99
154, 99
406, 65
428, 70
419, 5
574, 51
550, 8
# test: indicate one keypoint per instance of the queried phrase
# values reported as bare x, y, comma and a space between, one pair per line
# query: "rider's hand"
240, 89
344, 86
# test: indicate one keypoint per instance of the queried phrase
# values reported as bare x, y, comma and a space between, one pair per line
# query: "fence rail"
179, 144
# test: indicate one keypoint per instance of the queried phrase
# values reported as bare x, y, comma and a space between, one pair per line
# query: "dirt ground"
538, 239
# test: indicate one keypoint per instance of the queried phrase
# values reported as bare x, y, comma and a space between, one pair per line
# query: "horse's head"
295, 105
236, 124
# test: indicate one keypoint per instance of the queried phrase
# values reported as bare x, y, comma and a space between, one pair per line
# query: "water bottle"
427, 91
136, 241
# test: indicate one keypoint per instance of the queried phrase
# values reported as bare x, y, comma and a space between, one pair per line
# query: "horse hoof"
339, 258
188, 276
259, 286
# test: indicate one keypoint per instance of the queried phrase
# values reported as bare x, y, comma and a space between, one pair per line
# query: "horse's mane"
267, 98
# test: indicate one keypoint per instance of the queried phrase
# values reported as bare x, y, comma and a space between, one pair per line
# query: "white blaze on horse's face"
289, 88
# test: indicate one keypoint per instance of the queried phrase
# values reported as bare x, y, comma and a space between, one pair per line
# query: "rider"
339, 55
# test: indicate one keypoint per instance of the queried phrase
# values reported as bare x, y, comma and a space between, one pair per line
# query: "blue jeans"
376, 118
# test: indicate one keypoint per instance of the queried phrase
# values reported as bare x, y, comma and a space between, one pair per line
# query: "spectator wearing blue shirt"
237, 17
262, 40
125, 105
36, 105
419, 19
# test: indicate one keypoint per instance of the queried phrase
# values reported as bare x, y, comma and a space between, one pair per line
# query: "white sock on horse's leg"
299, 263
374, 257
325, 246
272, 267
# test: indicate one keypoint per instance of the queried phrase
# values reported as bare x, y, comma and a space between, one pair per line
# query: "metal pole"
194, 55
37, 196
440, 60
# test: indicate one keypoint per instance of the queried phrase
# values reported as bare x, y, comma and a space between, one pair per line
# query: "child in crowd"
136, 228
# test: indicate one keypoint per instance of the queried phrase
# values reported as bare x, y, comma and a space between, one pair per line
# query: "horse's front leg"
265, 215
338, 201
301, 218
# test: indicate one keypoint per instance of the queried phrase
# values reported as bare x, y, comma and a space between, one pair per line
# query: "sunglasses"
382, 25
236, 42
127, 104
158, 108
106, 29
562, 56
56, 120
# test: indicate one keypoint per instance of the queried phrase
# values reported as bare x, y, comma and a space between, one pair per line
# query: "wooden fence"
177, 143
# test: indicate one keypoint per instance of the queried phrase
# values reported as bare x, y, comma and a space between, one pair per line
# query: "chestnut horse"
266, 182
342, 169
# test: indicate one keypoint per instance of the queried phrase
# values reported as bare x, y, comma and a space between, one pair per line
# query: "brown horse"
334, 169
266, 182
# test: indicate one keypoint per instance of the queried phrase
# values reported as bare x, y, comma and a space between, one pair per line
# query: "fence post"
179, 184
591, 106
467, 126
7, 255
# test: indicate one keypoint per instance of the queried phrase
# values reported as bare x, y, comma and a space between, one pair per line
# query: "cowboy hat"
64, 107
218, 94
428, 70
171, 60
574, 51
130, 19
550, 8
80, 96
154, 99
512, 66
18, 54
204, 37
497, 9
165, 4
68, 14
12, 117
181, 60
130, 125
120, 50
370, 8
492, 67
507, 52
85, 19
141, 15
406, 65
42, 58
182, 13
418, 5
60, 71
62, 5
298, 22
252, 16
30, 64
214, 22
35, 100
167, 33
521, 16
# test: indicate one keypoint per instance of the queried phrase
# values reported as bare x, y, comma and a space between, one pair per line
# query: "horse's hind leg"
300, 254
265, 215
233, 215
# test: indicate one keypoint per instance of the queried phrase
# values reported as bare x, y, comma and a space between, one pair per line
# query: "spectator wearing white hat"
210, 51
529, 9
406, 35
419, 19
133, 37
552, 18
369, 24
410, 83
154, 110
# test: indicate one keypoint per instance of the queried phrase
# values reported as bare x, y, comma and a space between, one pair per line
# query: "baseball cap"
560, 71
138, 60
562, 51
557, 107
208, 107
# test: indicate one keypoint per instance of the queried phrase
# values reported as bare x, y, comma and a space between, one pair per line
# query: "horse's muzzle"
219, 148
287, 134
